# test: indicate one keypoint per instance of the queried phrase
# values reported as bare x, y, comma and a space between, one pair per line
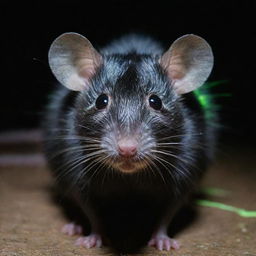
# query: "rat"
125, 136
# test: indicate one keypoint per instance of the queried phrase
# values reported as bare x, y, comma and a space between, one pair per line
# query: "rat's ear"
188, 63
73, 60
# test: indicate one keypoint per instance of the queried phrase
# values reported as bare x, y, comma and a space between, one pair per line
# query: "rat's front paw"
72, 229
93, 240
163, 242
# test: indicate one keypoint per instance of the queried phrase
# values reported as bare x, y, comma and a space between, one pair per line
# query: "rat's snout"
127, 147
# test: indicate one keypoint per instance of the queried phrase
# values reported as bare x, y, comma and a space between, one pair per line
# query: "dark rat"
126, 137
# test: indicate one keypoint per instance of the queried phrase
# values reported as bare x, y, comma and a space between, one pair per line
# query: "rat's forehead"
133, 69
114, 68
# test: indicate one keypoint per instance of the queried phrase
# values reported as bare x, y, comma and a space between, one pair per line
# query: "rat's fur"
127, 208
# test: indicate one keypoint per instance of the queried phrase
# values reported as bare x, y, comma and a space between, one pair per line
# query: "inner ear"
73, 60
188, 63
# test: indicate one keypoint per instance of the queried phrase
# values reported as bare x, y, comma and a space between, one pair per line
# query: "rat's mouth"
128, 165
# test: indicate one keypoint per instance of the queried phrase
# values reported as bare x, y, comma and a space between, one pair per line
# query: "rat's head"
128, 109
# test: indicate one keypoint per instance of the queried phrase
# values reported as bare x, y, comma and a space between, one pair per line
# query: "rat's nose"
127, 147
127, 151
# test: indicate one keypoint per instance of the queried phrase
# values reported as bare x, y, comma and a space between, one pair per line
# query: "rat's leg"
94, 239
162, 241
72, 229
160, 238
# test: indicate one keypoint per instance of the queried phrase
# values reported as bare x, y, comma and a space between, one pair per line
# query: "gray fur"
130, 72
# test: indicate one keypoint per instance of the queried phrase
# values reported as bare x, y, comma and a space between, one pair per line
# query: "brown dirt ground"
30, 221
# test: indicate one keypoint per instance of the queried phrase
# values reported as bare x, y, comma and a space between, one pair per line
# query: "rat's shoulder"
138, 43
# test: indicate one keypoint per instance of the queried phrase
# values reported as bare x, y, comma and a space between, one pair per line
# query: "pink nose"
127, 151
127, 147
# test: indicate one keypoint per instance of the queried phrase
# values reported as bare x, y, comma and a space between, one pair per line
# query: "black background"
28, 30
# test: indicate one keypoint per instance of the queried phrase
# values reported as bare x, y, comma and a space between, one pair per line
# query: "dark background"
28, 30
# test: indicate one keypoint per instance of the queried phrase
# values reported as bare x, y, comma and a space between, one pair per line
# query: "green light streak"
215, 191
214, 83
203, 100
206, 99
217, 95
241, 212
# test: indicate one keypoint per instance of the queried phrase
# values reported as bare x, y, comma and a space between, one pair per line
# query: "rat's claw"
93, 240
163, 242
72, 229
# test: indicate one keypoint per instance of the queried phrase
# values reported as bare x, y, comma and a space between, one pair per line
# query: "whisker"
111, 161
100, 167
149, 164
180, 135
158, 170
72, 137
74, 164
83, 156
170, 143
171, 155
172, 165
73, 149
170, 173
89, 168
71, 165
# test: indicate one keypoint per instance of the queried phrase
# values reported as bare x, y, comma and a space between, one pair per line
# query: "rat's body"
127, 147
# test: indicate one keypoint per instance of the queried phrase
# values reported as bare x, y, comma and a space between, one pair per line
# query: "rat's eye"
102, 101
155, 102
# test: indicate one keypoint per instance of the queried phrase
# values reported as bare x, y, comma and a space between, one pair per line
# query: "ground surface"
30, 221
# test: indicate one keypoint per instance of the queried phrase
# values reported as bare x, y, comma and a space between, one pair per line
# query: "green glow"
215, 191
214, 83
205, 98
241, 212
